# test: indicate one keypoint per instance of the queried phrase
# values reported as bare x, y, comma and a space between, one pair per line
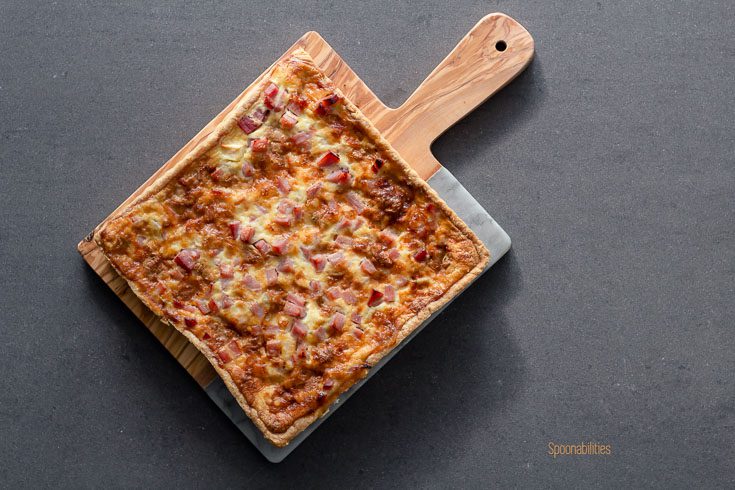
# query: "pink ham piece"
335, 258
318, 261
321, 334
280, 245
251, 283
421, 255
273, 347
302, 140
389, 293
315, 286
343, 241
203, 307
283, 185
329, 158
248, 125
356, 318
295, 299
226, 271
262, 246
313, 190
229, 352
286, 265
338, 322
349, 297
394, 254
187, 259
288, 120
298, 212
271, 89
388, 237
294, 107
355, 201
271, 277
376, 297
325, 105
343, 224
358, 333
340, 176
235, 229
298, 329
305, 251
247, 169
283, 221
259, 145
294, 310
247, 233
257, 310
334, 293
368, 267
357, 223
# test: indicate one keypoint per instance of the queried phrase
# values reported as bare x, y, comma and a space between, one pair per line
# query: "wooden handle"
492, 54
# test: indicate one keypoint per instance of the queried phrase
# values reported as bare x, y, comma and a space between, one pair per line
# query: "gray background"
609, 162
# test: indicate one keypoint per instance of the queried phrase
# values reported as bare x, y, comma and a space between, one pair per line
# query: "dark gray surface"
610, 162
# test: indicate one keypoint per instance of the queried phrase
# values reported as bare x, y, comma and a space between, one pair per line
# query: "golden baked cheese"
293, 247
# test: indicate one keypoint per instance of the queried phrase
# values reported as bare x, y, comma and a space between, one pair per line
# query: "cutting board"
494, 52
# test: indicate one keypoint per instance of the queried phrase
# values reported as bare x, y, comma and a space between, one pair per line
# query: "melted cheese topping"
294, 274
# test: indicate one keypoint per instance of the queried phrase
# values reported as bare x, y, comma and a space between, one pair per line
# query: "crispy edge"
482, 255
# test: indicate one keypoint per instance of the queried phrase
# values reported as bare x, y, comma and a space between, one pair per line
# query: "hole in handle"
501, 45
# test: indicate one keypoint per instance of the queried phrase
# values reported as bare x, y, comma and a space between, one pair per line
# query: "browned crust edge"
483, 256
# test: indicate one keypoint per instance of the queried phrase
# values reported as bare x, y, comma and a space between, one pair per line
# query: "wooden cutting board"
492, 54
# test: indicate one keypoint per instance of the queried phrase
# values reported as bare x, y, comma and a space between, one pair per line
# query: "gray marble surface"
610, 162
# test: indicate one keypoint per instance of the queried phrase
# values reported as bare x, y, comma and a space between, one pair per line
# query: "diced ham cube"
288, 120
283, 221
190, 322
298, 329
388, 237
305, 251
315, 286
421, 255
298, 212
273, 347
296, 299
251, 283
302, 140
340, 176
271, 277
343, 241
294, 310
283, 185
187, 259
377, 165
294, 107
335, 258
318, 261
313, 190
389, 293
257, 310
355, 201
358, 333
229, 352
248, 125
376, 297
321, 334
280, 245
401, 281
286, 265
271, 89
344, 223
262, 246
368, 267
325, 105
247, 233
348, 296
356, 318
259, 145
394, 254
212, 304
235, 229
203, 306
247, 169
334, 293
329, 158
357, 223
338, 322
225, 302
226, 271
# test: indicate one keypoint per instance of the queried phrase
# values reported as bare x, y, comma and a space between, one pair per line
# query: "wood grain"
471, 73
